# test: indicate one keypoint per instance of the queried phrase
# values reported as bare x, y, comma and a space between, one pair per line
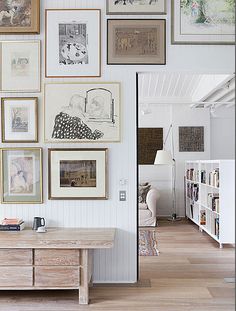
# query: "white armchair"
148, 210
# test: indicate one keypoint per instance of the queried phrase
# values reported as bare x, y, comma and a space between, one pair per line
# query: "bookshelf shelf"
210, 197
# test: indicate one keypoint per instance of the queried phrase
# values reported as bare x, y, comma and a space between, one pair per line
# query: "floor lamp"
164, 157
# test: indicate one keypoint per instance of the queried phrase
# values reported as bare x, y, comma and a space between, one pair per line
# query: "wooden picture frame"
21, 176
73, 43
20, 63
136, 7
77, 174
19, 119
122, 32
20, 18
202, 23
82, 112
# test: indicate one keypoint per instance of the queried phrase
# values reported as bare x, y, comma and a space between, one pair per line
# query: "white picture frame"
73, 43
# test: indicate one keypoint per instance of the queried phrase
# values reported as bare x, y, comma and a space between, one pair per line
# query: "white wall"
119, 264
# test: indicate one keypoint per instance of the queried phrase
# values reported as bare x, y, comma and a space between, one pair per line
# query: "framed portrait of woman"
21, 175
82, 112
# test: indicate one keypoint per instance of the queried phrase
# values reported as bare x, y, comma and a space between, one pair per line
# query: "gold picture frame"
78, 174
19, 119
21, 175
20, 19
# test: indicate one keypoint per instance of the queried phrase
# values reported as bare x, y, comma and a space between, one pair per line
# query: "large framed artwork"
136, 42
20, 66
19, 17
191, 139
203, 22
73, 47
19, 119
136, 7
82, 112
21, 175
77, 174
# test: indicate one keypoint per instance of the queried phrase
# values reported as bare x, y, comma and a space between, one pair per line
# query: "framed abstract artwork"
82, 112
191, 139
73, 47
21, 175
136, 7
77, 174
20, 66
19, 17
136, 41
203, 22
19, 119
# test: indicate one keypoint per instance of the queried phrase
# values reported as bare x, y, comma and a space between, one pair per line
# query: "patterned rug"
148, 243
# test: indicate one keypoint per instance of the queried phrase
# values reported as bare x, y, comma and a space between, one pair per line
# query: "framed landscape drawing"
19, 17
77, 174
82, 112
133, 7
136, 42
73, 43
21, 175
19, 119
203, 22
20, 66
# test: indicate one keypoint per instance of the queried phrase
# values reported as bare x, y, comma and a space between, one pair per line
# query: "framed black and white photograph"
82, 112
191, 139
73, 43
20, 66
21, 175
136, 7
77, 174
19, 119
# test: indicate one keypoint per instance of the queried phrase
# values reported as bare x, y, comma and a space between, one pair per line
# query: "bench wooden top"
64, 238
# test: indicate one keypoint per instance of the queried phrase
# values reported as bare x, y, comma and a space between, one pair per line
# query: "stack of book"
214, 178
203, 176
213, 200
190, 174
217, 229
193, 191
12, 224
203, 217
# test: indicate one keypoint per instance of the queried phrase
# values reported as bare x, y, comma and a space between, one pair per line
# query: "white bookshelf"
222, 215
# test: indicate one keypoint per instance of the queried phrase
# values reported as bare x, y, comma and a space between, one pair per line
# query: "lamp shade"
163, 157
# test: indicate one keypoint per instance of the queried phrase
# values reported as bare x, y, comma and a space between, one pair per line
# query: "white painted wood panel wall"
119, 264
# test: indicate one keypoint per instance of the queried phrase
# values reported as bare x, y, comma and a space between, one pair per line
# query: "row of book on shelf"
212, 180
216, 228
12, 224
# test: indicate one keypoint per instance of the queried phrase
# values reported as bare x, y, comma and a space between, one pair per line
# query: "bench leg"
84, 279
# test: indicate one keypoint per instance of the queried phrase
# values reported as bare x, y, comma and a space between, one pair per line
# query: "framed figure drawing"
20, 66
19, 17
203, 22
19, 119
82, 112
136, 7
136, 42
73, 43
77, 174
21, 175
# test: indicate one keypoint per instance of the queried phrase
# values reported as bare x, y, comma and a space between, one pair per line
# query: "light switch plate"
122, 195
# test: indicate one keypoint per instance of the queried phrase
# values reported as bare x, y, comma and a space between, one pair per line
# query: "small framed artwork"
21, 175
136, 41
136, 7
77, 174
19, 119
19, 17
73, 47
82, 112
191, 139
20, 63
203, 22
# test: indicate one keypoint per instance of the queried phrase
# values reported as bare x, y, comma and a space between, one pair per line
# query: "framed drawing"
191, 139
82, 112
203, 22
20, 63
19, 17
77, 174
136, 41
73, 47
21, 175
136, 7
19, 119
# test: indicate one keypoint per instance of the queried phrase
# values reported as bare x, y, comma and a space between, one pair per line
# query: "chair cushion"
142, 206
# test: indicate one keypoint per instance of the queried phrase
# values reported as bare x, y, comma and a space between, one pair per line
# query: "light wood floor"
187, 276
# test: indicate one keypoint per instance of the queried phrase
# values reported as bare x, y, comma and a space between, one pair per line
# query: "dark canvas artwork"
191, 138
149, 141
